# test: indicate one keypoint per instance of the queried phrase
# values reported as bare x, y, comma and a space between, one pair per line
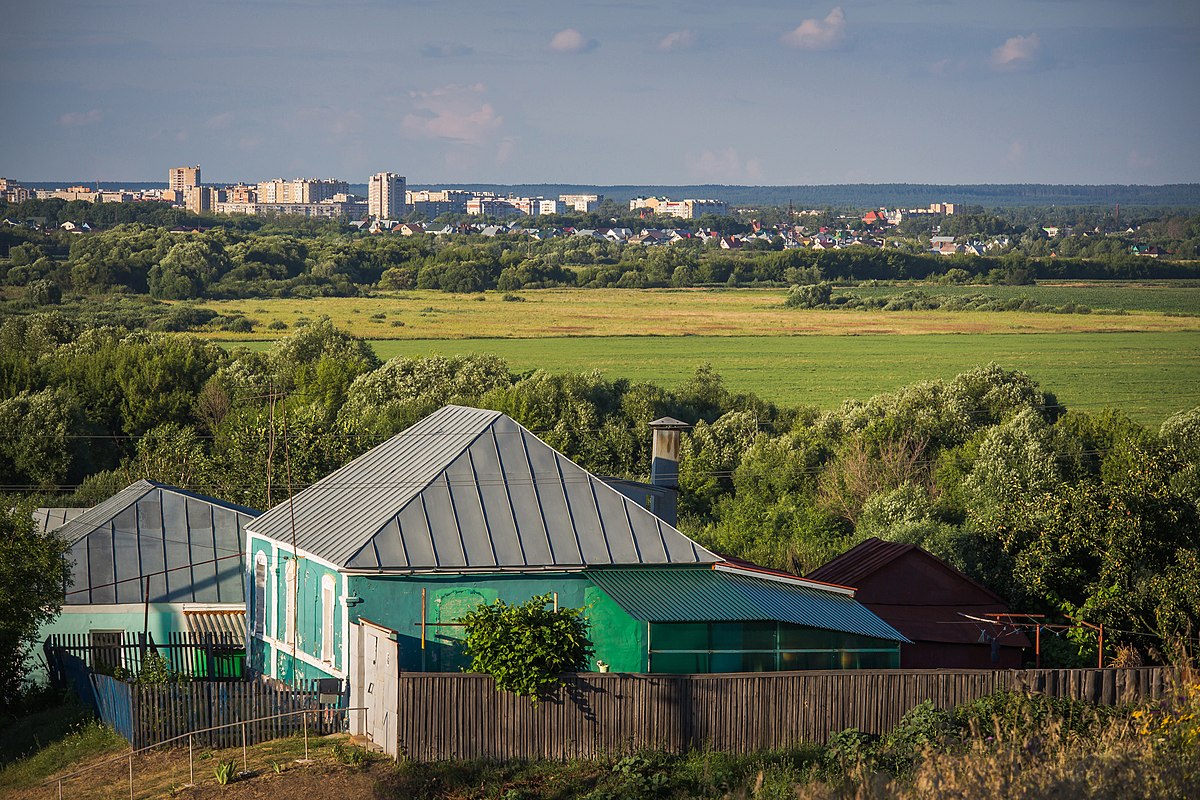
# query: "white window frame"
289, 621
328, 598
260, 596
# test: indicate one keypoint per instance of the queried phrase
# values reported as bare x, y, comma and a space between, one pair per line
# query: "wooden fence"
190, 655
159, 713
464, 716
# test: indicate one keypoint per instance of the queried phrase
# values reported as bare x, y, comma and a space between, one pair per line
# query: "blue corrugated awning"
707, 595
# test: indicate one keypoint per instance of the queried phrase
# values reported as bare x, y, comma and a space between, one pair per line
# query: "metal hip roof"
471, 489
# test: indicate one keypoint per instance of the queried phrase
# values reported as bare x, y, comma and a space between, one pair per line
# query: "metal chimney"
664, 451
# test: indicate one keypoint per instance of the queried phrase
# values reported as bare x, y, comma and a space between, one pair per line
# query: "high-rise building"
385, 195
183, 178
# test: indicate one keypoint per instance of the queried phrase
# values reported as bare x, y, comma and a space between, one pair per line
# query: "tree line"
1060, 511
224, 262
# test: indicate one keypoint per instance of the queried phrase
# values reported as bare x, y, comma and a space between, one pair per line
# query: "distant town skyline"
920, 91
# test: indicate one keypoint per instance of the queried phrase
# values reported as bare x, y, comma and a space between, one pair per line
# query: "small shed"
154, 558
939, 609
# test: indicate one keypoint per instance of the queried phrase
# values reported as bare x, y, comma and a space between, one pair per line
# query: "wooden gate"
374, 687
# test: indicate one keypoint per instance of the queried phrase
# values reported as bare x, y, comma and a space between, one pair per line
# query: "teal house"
152, 559
368, 571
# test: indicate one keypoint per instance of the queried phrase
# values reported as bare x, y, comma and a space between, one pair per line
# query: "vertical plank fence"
187, 654
446, 716
164, 712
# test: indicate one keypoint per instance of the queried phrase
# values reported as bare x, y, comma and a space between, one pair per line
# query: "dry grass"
650, 312
272, 771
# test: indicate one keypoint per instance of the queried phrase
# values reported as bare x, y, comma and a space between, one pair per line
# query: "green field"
1168, 297
1149, 375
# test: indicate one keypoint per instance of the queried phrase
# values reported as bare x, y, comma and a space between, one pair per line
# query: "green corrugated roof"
707, 595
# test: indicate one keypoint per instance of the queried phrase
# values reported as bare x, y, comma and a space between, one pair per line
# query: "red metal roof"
924, 598
852, 566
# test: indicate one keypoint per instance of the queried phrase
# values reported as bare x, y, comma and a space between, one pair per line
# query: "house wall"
273, 653
163, 619
395, 602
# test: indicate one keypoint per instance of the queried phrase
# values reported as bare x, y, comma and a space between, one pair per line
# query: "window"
260, 595
327, 597
106, 649
763, 646
289, 620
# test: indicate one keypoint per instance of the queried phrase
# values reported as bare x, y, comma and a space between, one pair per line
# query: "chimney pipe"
664, 451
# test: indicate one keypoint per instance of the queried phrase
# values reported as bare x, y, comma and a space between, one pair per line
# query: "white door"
380, 672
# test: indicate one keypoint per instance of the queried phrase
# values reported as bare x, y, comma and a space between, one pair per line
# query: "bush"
526, 647
814, 295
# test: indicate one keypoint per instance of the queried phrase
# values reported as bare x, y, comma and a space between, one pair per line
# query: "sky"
609, 92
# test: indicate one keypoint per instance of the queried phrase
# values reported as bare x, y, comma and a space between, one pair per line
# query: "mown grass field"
1146, 362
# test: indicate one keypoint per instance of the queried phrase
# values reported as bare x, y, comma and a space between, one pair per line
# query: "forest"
1061, 511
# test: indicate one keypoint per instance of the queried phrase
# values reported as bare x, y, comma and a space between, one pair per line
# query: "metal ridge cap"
447, 571
769, 575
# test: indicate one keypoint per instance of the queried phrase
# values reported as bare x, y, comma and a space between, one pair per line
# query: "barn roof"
188, 545
855, 565
467, 489
926, 599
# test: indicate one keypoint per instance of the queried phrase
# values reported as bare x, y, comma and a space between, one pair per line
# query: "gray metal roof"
469, 489
708, 595
190, 546
49, 519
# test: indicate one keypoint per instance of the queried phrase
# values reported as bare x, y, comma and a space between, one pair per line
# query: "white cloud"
818, 34
723, 166
569, 40
454, 112
677, 40
1017, 52
73, 119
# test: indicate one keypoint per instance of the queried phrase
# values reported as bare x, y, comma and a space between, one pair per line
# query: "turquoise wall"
164, 618
395, 602
274, 654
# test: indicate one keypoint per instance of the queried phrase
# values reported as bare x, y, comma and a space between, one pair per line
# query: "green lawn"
1149, 375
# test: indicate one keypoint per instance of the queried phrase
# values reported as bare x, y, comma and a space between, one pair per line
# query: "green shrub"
349, 754
526, 647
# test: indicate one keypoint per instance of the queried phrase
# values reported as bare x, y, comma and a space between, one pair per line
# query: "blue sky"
670, 92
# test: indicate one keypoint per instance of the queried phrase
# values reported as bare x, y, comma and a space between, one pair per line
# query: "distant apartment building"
202, 199
386, 195
85, 193
433, 203
585, 203
943, 208
13, 192
242, 194
490, 206
684, 209
326, 209
180, 179
300, 190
